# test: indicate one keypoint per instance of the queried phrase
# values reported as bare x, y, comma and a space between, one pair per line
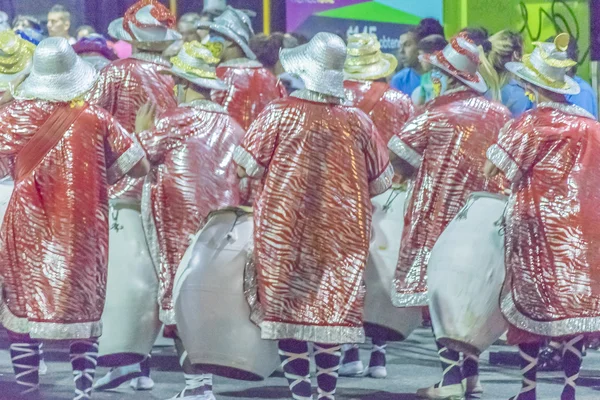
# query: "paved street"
412, 364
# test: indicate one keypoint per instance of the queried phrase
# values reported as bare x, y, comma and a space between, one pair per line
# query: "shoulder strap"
45, 139
370, 99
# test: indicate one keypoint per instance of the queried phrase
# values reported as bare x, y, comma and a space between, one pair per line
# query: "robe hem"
312, 333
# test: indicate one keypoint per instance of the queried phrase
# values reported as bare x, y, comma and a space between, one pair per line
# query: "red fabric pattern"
159, 11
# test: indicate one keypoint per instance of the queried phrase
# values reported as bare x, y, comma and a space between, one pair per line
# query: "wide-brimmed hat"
547, 66
460, 58
197, 64
234, 25
57, 74
214, 6
94, 43
319, 63
147, 21
365, 60
15, 58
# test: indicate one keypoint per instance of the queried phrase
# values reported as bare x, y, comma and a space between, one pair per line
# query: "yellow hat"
15, 57
197, 63
365, 61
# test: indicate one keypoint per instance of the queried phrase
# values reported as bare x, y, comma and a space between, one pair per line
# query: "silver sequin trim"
564, 327
123, 165
316, 97
409, 299
310, 333
153, 58
148, 224
245, 160
568, 109
206, 105
405, 152
502, 160
241, 63
49, 330
167, 317
383, 182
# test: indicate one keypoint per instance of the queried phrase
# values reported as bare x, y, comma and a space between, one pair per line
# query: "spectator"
84, 31
428, 45
20, 22
506, 46
479, 36
587, 98
59, 23
409, 78
94, 49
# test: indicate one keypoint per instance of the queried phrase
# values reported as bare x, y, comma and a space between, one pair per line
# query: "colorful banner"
388, 19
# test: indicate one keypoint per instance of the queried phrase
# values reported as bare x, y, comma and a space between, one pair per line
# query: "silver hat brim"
64, 87
297, 62
116, 31
215, 84
520, 70
479, 86
229, 34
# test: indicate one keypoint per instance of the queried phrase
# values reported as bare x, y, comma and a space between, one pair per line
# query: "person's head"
59, 21
187, 26
408, 52
479, 36
506, 46
429, 45
267, 49
21, 22
84, 31
428, 27
231, 31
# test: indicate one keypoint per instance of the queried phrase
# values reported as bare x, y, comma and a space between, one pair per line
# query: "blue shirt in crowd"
586, 99
515, 99
406, 81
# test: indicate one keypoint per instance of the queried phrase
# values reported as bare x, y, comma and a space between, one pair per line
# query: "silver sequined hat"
319, 63
547, 67
145, 22
58, 74
235, 25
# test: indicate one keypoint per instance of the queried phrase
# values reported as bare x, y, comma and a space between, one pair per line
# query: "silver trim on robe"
405, 152
245, 160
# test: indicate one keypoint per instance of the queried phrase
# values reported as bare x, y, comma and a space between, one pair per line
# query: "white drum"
466, 274
211, 309
382, 319
130, 317
6, 188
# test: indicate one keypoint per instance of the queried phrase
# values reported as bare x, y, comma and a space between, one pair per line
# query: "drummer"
442, 151
365, 71
320, 161
191, 151
550, 156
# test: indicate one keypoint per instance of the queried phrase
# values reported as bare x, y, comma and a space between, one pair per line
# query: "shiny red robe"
123, 87
320, 164
54, 242
193, 173
251, 88
446, 146
550, 155
388, 108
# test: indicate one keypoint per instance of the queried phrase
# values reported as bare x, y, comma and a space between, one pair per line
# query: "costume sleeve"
516, 150
379, 171
122, 151
410, 143
11, 142
256, 150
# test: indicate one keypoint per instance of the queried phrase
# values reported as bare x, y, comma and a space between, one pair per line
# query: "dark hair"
299, 37
428, 27
33, 22
432, 43
479, 36
59, 8
267, 48
88, 28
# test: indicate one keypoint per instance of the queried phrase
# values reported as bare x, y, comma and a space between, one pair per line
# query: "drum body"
6, 189
211, 309
466, 274
130, 318
382, 319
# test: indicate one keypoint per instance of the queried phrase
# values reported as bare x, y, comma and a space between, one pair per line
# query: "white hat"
319, 63
58, 74
147, 21
460, 58
196, 63
547, 67
235, 25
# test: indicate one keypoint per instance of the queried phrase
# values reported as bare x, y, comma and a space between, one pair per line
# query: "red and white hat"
145, 21
460, 58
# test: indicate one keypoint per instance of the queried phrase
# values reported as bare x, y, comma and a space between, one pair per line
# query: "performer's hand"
490, 170
241, 172
144, 120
